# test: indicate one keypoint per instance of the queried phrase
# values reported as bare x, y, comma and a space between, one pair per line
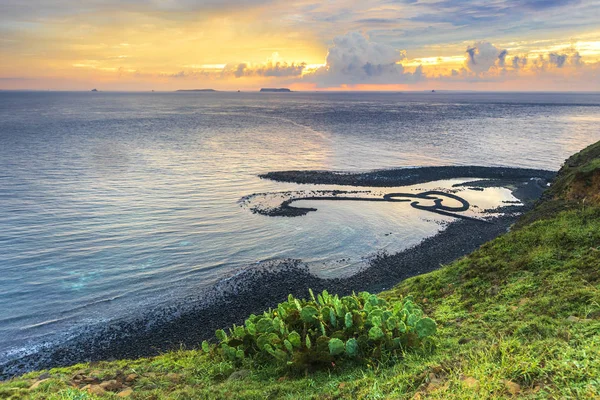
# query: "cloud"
546, 4
502, 58
28, 9
557, 60
485, 63
460, 12
483, 55
576, 60
351, 52
233, 70
180, 75
353, 59
269, 69
435, 22
519, 62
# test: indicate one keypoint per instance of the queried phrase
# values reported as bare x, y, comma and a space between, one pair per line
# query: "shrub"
326, 329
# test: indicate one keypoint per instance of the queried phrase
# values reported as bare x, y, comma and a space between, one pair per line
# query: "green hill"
520, 317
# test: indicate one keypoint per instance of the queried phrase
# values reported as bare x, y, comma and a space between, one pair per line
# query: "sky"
527, 45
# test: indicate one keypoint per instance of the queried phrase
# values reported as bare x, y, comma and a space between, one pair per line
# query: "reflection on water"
112, 203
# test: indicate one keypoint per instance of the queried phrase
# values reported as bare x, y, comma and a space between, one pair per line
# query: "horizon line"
209, 91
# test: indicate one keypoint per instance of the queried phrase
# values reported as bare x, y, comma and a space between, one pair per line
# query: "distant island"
277, 90
94, 90
196, 90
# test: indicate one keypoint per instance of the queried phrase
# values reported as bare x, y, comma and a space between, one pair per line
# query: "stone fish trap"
287, 210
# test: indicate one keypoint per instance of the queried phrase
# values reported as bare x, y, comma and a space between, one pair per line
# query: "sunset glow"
339, 45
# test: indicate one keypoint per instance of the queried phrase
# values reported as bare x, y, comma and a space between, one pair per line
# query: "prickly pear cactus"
336, 347
326, 329
425, 327
352, 347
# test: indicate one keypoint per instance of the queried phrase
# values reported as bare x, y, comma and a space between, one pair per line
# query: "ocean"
115, 203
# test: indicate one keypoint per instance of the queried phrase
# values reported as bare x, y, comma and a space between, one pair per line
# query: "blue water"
113, 203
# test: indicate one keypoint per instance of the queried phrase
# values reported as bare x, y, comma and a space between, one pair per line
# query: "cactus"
288, 346
352, 347
391, 323
348, 320
426, 327
295, 339
264, 325
339, 308
402, 327
375, 333
262, 341
229, 352
336, 347
277, 325
309, 314
375, 321
332, 328
250, 327
280, 355
281, 310
373, 299
320, 299
221, 335
332, 318
351, 302
412, 319
239, 332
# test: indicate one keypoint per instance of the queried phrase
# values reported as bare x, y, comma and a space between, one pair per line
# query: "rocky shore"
406, 176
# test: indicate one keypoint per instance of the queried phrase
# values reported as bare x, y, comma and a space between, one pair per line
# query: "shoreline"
253, 290
404, 176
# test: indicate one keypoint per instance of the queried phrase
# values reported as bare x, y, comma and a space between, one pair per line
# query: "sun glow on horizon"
179, 46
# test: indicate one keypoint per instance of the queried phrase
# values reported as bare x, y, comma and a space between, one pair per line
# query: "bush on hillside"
327, 329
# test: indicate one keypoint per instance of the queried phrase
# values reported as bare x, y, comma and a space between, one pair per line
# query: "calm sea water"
112, 203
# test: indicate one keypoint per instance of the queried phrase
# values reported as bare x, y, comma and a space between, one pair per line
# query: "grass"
520, 317
577, 183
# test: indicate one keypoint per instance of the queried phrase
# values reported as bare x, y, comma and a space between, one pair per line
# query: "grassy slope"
518, 317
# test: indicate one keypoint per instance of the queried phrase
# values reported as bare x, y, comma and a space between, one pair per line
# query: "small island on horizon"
276, 90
